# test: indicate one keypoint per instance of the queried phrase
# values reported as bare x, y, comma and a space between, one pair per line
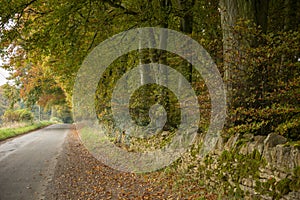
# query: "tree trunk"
290, 21
186, 26
163, 97
144, 59
231, 12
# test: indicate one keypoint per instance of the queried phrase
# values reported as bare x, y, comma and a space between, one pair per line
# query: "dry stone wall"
253, 167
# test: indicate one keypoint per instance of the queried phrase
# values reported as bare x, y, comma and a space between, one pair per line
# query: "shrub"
56, 119
17, 115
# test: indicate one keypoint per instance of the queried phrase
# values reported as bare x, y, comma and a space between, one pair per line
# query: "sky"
3, 74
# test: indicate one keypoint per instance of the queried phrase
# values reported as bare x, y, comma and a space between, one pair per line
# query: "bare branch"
117, 5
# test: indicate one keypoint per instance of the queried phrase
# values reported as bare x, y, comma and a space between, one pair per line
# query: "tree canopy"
257, 54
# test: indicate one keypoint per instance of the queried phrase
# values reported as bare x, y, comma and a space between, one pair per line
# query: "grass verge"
6, 133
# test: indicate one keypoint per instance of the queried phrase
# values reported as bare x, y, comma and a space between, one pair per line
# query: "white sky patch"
3, 74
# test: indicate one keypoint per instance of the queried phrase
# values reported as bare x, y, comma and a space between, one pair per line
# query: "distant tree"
4, 104
12, 94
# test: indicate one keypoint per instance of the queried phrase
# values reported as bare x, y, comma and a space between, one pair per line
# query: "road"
27, 162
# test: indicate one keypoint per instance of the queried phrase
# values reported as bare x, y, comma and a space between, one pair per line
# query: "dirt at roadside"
78, 175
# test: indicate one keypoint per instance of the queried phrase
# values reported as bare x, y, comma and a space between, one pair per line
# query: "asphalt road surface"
27, 162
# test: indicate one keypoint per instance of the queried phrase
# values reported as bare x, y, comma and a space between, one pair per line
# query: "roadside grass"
11, 132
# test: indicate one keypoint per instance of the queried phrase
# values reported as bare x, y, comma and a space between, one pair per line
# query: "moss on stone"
283, 187
295, 182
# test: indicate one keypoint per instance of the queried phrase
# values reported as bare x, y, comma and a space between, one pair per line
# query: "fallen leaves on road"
78, 175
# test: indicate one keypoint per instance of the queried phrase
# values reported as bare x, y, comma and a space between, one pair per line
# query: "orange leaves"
79, 175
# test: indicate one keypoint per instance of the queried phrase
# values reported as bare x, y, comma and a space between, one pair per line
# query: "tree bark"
231, 12
290, 21
186, 26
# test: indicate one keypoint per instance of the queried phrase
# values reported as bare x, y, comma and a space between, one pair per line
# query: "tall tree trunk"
186, 26
231, 12
163, 97
145, 77
143, 59
290, 21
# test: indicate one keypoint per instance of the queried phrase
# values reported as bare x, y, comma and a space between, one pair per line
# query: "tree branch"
92, 43
119, 6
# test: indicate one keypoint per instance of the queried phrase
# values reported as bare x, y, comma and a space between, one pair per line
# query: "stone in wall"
278, 162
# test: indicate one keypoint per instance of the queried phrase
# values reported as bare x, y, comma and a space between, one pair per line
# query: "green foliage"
225, 171
266, 94
56, 120
246, 165
21, 115
64, 113
290, 128
283, 186
265, 187
295, 182
12, 94
277, 118
11, 132
263, 61
4, 104
25, 115
277, 189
